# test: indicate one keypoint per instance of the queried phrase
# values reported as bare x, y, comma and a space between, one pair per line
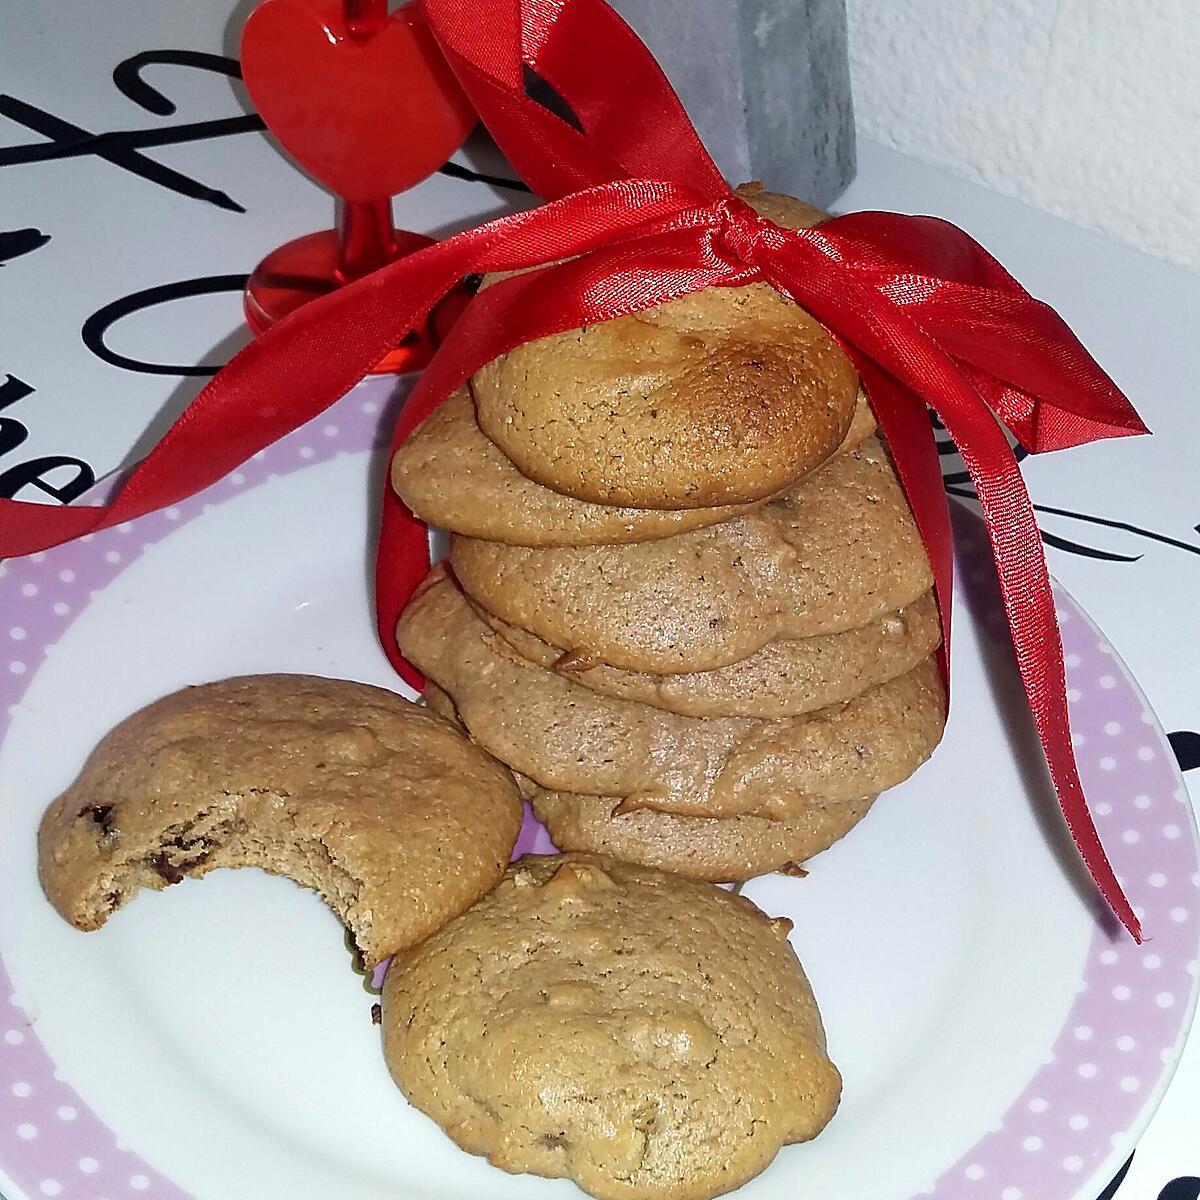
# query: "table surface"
114, 285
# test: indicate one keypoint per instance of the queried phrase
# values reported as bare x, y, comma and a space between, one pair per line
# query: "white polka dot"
16, 667
1151, 962
1107, 682
112, 556
307, 452
1087, 1070
125, 527
1038, 1105
1072, 1163
1121, 992
88, 537
1130, 1083
329, 430
139, 1183
1103, 808
67, 1113
1196, 879
1078, 1122
1171, 832
14, 1037
1166, 1054
1108, 763
38, 556
1158, 879
61, 609
1112, 728
1165, 1000
1077, 739
1139, 911
1011, 1193
1074, 695
26, 1132
369, 406
120, 1145
1108, 957
973, 1172
17, 633
67, 576
1032, 1144
21, 1089
1131, 837
237, 479
1179, 915
1125, 1043
1142, 802
259, 456
1147, 717
89, 1166
50, 1187
1083, 1033
29, 589
1145, 753
172, 513
1072, 660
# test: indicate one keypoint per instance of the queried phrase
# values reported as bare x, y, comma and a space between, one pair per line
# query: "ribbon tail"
1029, 604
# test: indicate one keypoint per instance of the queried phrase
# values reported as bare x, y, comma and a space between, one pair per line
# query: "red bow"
642, 215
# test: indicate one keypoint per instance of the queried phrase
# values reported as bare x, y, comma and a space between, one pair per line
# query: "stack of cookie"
686, 600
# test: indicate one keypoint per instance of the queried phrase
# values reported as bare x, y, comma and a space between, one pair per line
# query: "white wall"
1089, 109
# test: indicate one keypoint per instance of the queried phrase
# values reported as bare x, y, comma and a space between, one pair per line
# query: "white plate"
998, 1038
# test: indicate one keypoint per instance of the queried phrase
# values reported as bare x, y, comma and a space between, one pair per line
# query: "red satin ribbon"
643, 216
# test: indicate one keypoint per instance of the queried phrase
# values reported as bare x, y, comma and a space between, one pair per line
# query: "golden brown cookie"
567, 738
720, 849
783, 679
837, 552
377, 804
721, 397
644, 1035
450, 475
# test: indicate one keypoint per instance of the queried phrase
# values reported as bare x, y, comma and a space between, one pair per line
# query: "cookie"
782, 679
380, 806
450, 475
644, 1035
567, 738
721, 397
720, 849
837, 552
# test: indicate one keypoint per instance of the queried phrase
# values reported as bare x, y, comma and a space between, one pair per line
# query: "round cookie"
567, 738
644, 1035
450, 475
836, 552
719, 849
783, 679
382, 807
724, 396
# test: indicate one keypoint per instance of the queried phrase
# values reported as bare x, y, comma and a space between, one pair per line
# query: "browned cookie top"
381, 806
452, 476
724, 396
644, 1035
834, 553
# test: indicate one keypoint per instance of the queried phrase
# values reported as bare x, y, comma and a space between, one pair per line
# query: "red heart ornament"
368, 116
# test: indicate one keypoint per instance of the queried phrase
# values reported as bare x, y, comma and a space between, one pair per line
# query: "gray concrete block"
766, 82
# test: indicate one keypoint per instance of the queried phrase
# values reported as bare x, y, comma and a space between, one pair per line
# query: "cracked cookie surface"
379, 805
723, 396
644, 1035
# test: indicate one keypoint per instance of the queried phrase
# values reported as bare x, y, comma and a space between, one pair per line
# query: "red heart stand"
364, 101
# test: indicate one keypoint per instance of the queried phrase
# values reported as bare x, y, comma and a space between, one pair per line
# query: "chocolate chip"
102, 814
376, 1014
166, 868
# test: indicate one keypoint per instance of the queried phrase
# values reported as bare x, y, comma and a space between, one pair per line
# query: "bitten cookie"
721, 397
567, 738
644, 1035
783, 679
380, 806
836, 552
720, 849
450, 475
